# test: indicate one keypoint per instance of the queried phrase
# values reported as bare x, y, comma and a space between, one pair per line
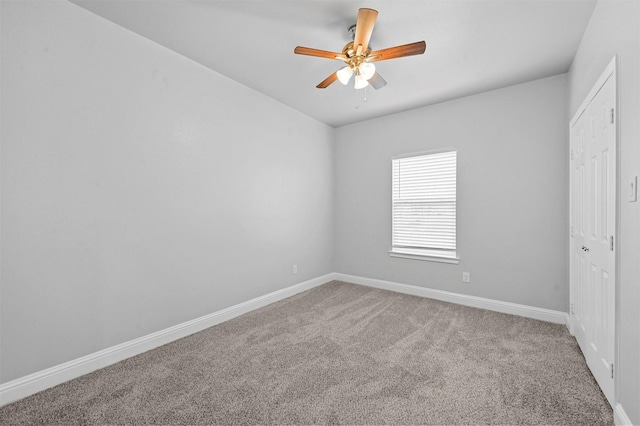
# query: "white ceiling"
472, 45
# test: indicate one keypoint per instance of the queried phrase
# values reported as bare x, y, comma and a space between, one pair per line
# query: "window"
424, 207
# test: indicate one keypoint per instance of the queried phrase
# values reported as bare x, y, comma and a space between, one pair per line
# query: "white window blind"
424, 203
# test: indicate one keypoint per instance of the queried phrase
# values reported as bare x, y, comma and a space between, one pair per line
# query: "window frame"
424, 253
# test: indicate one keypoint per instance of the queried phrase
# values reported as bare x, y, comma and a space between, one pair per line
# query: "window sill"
428, 255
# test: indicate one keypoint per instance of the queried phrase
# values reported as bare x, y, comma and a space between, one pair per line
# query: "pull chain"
357, 97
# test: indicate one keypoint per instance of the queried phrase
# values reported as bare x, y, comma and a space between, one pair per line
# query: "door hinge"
612, 370
571, 232
611, 246
571, 154
612, 115
571, 309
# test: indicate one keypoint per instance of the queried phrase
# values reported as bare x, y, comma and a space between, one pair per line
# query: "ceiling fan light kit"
361, 82
344, 74
358, 55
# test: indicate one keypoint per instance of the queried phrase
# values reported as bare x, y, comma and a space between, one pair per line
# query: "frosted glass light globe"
367, 70
344, 75
361, 82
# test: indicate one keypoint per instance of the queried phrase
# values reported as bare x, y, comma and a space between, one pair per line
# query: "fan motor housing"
354, 59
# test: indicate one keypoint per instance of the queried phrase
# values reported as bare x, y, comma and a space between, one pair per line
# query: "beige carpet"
341, 354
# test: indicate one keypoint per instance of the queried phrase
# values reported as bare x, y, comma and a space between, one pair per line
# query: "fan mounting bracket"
352, 31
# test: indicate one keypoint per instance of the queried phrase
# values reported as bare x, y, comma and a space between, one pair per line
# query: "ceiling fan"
358, 55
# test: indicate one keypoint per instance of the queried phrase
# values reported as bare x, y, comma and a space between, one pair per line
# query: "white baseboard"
620, 417
41, 380
570, 325
461, 299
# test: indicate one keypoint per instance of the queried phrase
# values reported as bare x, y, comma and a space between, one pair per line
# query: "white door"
593, 218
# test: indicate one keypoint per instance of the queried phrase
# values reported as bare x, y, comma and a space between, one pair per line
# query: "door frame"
609, 72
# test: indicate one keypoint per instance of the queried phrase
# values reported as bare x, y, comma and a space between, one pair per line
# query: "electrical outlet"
466, 277
295, 269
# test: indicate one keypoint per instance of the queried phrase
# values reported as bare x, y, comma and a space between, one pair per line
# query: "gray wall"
614, 29
512, 220
140, 189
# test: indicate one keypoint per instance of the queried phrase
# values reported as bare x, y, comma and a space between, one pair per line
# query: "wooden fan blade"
364, 28
377, 82
327, 81
300, 50
410, 49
